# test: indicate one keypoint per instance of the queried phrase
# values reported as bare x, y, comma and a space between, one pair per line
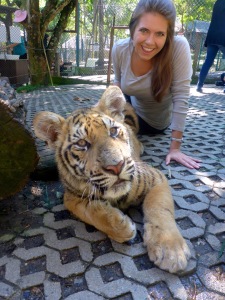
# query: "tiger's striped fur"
98, 159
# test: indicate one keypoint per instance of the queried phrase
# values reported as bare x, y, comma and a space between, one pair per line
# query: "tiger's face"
93, 149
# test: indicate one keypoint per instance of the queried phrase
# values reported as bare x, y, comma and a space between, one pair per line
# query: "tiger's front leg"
166, 247
102, 216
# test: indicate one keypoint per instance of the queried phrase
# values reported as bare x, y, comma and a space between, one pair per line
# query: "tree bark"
18, 155
58, 30
37, 62
36, 26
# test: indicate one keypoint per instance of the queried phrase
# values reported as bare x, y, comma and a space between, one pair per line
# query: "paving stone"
39, 210
216, 181
211, 259
115, 288
135, 249
53, 261
84, 295
6, 290
194, 217
31, 280
220, 192
217, 212
209, 296
52, 290
211, 279
188, 185
213, 241
148, 277
217, 228
60, 257
6, 237
182, 200
189, 199
12, 273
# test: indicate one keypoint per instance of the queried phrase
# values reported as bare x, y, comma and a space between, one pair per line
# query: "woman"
153, 67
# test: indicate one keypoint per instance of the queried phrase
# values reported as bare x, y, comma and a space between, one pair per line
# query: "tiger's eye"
82, 143
114, 131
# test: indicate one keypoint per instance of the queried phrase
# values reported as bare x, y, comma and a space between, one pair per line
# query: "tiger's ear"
47, 126
112, 103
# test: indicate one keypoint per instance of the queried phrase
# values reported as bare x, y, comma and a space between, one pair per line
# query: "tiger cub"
98, 159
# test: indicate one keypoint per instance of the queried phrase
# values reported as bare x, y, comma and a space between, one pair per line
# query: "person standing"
215, 40
154, 68
19, 48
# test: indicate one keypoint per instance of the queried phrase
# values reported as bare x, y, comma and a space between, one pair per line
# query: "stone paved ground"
47, 254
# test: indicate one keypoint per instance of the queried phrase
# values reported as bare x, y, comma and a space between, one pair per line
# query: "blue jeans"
212, 51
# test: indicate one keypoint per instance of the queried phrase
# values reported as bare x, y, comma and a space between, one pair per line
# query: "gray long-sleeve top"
172, 110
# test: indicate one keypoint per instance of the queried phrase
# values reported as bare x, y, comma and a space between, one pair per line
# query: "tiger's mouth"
117, 190
119, 181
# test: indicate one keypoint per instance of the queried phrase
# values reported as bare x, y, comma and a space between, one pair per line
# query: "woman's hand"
183, 159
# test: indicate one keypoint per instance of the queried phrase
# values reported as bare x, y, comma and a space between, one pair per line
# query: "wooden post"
110, 49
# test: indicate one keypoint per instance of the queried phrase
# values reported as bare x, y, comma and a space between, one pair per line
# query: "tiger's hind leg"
166, 247
102, 216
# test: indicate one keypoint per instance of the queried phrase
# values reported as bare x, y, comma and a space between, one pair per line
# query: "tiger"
98, 156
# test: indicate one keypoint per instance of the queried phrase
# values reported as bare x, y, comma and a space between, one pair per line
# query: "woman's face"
150, 35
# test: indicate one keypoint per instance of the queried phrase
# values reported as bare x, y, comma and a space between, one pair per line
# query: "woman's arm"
182, 71
176, 154
116, 65
11, 46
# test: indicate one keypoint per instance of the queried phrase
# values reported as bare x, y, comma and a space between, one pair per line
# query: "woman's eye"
160, 34
143, 30
82, 144
114, 131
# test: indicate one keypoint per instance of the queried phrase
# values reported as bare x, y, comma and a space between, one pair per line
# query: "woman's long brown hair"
162, 62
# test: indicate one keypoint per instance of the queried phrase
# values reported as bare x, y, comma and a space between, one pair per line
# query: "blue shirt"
20, 48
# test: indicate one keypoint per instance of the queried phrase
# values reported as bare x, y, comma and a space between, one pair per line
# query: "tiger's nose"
115, 169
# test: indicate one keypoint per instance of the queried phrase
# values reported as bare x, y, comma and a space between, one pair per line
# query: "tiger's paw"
123, 228
167, 249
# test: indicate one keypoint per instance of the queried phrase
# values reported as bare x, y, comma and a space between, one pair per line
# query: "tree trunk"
59, 29
36, 56
41, 59
18, 156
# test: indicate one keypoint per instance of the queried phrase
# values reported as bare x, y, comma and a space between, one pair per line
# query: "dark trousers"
23, 56
144, 128
212, 51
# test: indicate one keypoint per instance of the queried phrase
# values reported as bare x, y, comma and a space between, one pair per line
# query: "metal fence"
93, 55
87, 52
195, 33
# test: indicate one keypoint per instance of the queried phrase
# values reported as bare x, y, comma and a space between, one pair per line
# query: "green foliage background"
118, 12
97, 17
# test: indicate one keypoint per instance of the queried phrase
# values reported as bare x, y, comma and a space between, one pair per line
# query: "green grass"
28, 88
